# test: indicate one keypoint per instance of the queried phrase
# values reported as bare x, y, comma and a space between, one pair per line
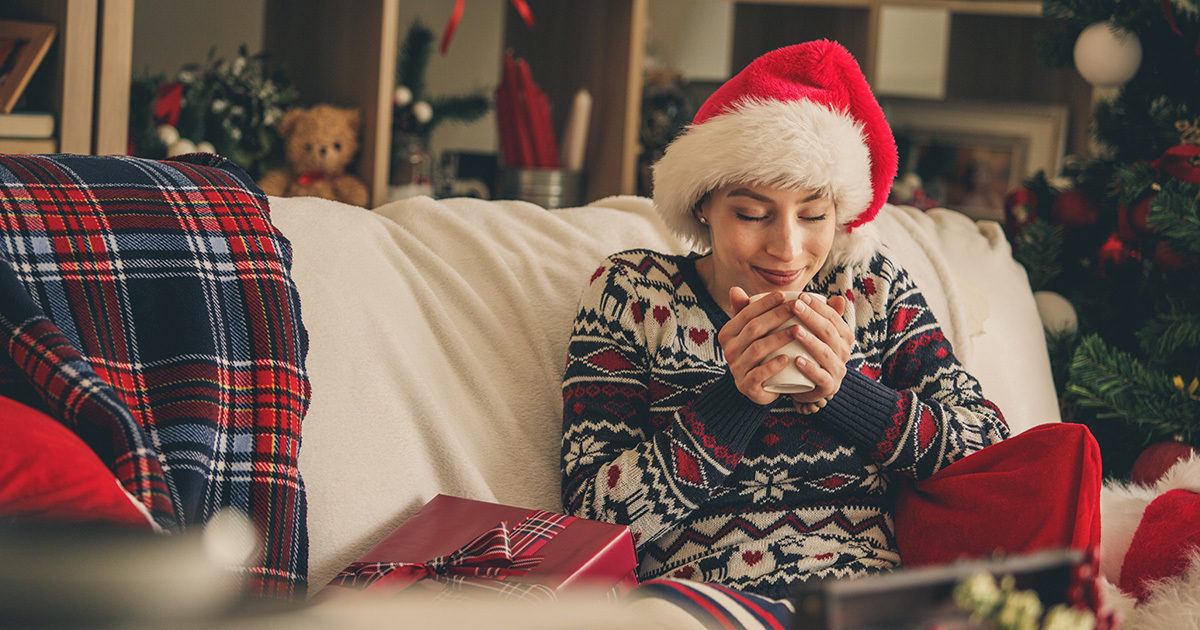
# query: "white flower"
168, 134
239, 64
1020, 611
186, 77
180, 147
402, 96
1062, 617
237, 110
978, 593
219, 105
422, 111
235, 133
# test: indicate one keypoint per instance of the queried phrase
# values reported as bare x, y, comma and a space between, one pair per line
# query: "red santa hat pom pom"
1165, 543
801, 116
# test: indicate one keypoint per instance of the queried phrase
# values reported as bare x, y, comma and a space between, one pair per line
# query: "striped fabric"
718, 606
148, 306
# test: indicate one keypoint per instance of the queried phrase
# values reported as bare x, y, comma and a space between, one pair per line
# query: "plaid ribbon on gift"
481, 564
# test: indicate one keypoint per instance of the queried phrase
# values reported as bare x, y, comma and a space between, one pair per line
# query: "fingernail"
807, 298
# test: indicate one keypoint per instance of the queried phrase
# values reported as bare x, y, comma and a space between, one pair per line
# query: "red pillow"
47, 473
1036, 490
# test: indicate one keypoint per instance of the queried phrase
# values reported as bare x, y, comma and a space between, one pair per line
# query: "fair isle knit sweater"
757, 497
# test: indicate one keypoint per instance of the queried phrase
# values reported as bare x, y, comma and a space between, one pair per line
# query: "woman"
667, 427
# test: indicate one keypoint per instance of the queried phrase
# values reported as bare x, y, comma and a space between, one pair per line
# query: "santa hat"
801, 116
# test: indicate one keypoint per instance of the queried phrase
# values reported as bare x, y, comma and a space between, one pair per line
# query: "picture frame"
970, 155
23, 45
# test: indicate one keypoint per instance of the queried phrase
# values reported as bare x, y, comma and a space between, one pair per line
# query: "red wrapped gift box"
562, 552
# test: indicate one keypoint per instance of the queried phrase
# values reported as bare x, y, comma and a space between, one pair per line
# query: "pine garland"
1039, 249
414, 114
1119, 387
1175, 214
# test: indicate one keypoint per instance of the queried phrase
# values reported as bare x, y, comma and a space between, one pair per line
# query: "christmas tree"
1118, 234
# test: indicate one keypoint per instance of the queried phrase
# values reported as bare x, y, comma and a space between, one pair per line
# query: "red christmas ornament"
1074, 209
1182, 162
1115, 253
1131, 221
1168, 259
1157, 459
1020, 209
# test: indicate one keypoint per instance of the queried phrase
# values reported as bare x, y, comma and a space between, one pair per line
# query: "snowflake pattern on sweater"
717, 488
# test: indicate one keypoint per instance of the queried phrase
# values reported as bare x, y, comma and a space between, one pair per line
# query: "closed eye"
816, 219
752, 218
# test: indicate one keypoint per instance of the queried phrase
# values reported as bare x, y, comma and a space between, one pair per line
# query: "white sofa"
438, 334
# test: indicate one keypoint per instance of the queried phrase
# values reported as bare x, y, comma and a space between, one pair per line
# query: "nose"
322, 151
785, 241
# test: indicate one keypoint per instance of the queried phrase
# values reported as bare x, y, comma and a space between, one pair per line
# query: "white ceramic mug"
789, 380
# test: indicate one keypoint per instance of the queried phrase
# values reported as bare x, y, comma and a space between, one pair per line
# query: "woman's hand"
828, 338
747, 339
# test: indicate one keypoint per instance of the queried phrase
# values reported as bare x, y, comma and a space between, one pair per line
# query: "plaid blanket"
149, 307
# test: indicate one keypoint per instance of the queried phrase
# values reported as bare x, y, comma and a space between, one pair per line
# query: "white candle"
575, 137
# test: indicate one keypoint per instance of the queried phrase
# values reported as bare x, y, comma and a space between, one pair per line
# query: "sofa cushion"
48, 474
147, 306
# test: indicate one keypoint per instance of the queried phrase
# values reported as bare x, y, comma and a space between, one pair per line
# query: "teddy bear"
318, 144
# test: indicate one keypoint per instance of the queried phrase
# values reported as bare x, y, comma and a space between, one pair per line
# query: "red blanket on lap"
1036, 490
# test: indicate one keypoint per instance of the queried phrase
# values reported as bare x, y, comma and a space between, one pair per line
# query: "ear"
354, 119
288, 123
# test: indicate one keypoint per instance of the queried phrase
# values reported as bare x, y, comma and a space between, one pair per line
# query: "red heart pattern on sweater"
698, 336
684, 573
751, 558
661, 313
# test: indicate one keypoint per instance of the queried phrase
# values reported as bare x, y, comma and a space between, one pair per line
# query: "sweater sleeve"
617, 465
922, 411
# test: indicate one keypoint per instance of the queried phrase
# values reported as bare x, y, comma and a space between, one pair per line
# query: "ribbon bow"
307, 178
496, 553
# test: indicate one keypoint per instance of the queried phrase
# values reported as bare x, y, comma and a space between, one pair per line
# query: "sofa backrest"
438, 334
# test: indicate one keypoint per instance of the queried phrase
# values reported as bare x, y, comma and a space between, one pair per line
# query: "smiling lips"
778, 278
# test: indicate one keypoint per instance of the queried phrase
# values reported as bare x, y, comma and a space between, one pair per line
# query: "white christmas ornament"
205, 147
180, 147
1107, 56
168, 134
402, 96
422, 111
1056, 313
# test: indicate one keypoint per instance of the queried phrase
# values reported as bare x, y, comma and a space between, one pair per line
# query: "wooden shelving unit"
84, 79
344, 53
599, 45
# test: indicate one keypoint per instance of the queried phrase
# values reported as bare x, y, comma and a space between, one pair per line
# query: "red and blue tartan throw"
719, 607
149, 307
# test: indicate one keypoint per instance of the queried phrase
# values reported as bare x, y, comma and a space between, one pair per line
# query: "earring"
702, 220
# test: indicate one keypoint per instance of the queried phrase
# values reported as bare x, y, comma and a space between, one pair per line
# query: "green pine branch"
1173, 339
1119, 387
1175, 215
415, 53
464, 109
1039, 249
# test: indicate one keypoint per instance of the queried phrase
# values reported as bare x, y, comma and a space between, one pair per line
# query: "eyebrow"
746, 192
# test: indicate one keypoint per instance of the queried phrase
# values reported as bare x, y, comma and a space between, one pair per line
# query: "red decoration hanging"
1131, 220
1074, 209
1168, 259
1115, 253
521, 6
1182, 162
1157, 459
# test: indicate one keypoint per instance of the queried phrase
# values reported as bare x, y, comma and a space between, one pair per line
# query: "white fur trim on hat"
788, 144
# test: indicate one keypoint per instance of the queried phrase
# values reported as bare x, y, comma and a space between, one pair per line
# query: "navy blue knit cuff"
727, 414
862, 410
